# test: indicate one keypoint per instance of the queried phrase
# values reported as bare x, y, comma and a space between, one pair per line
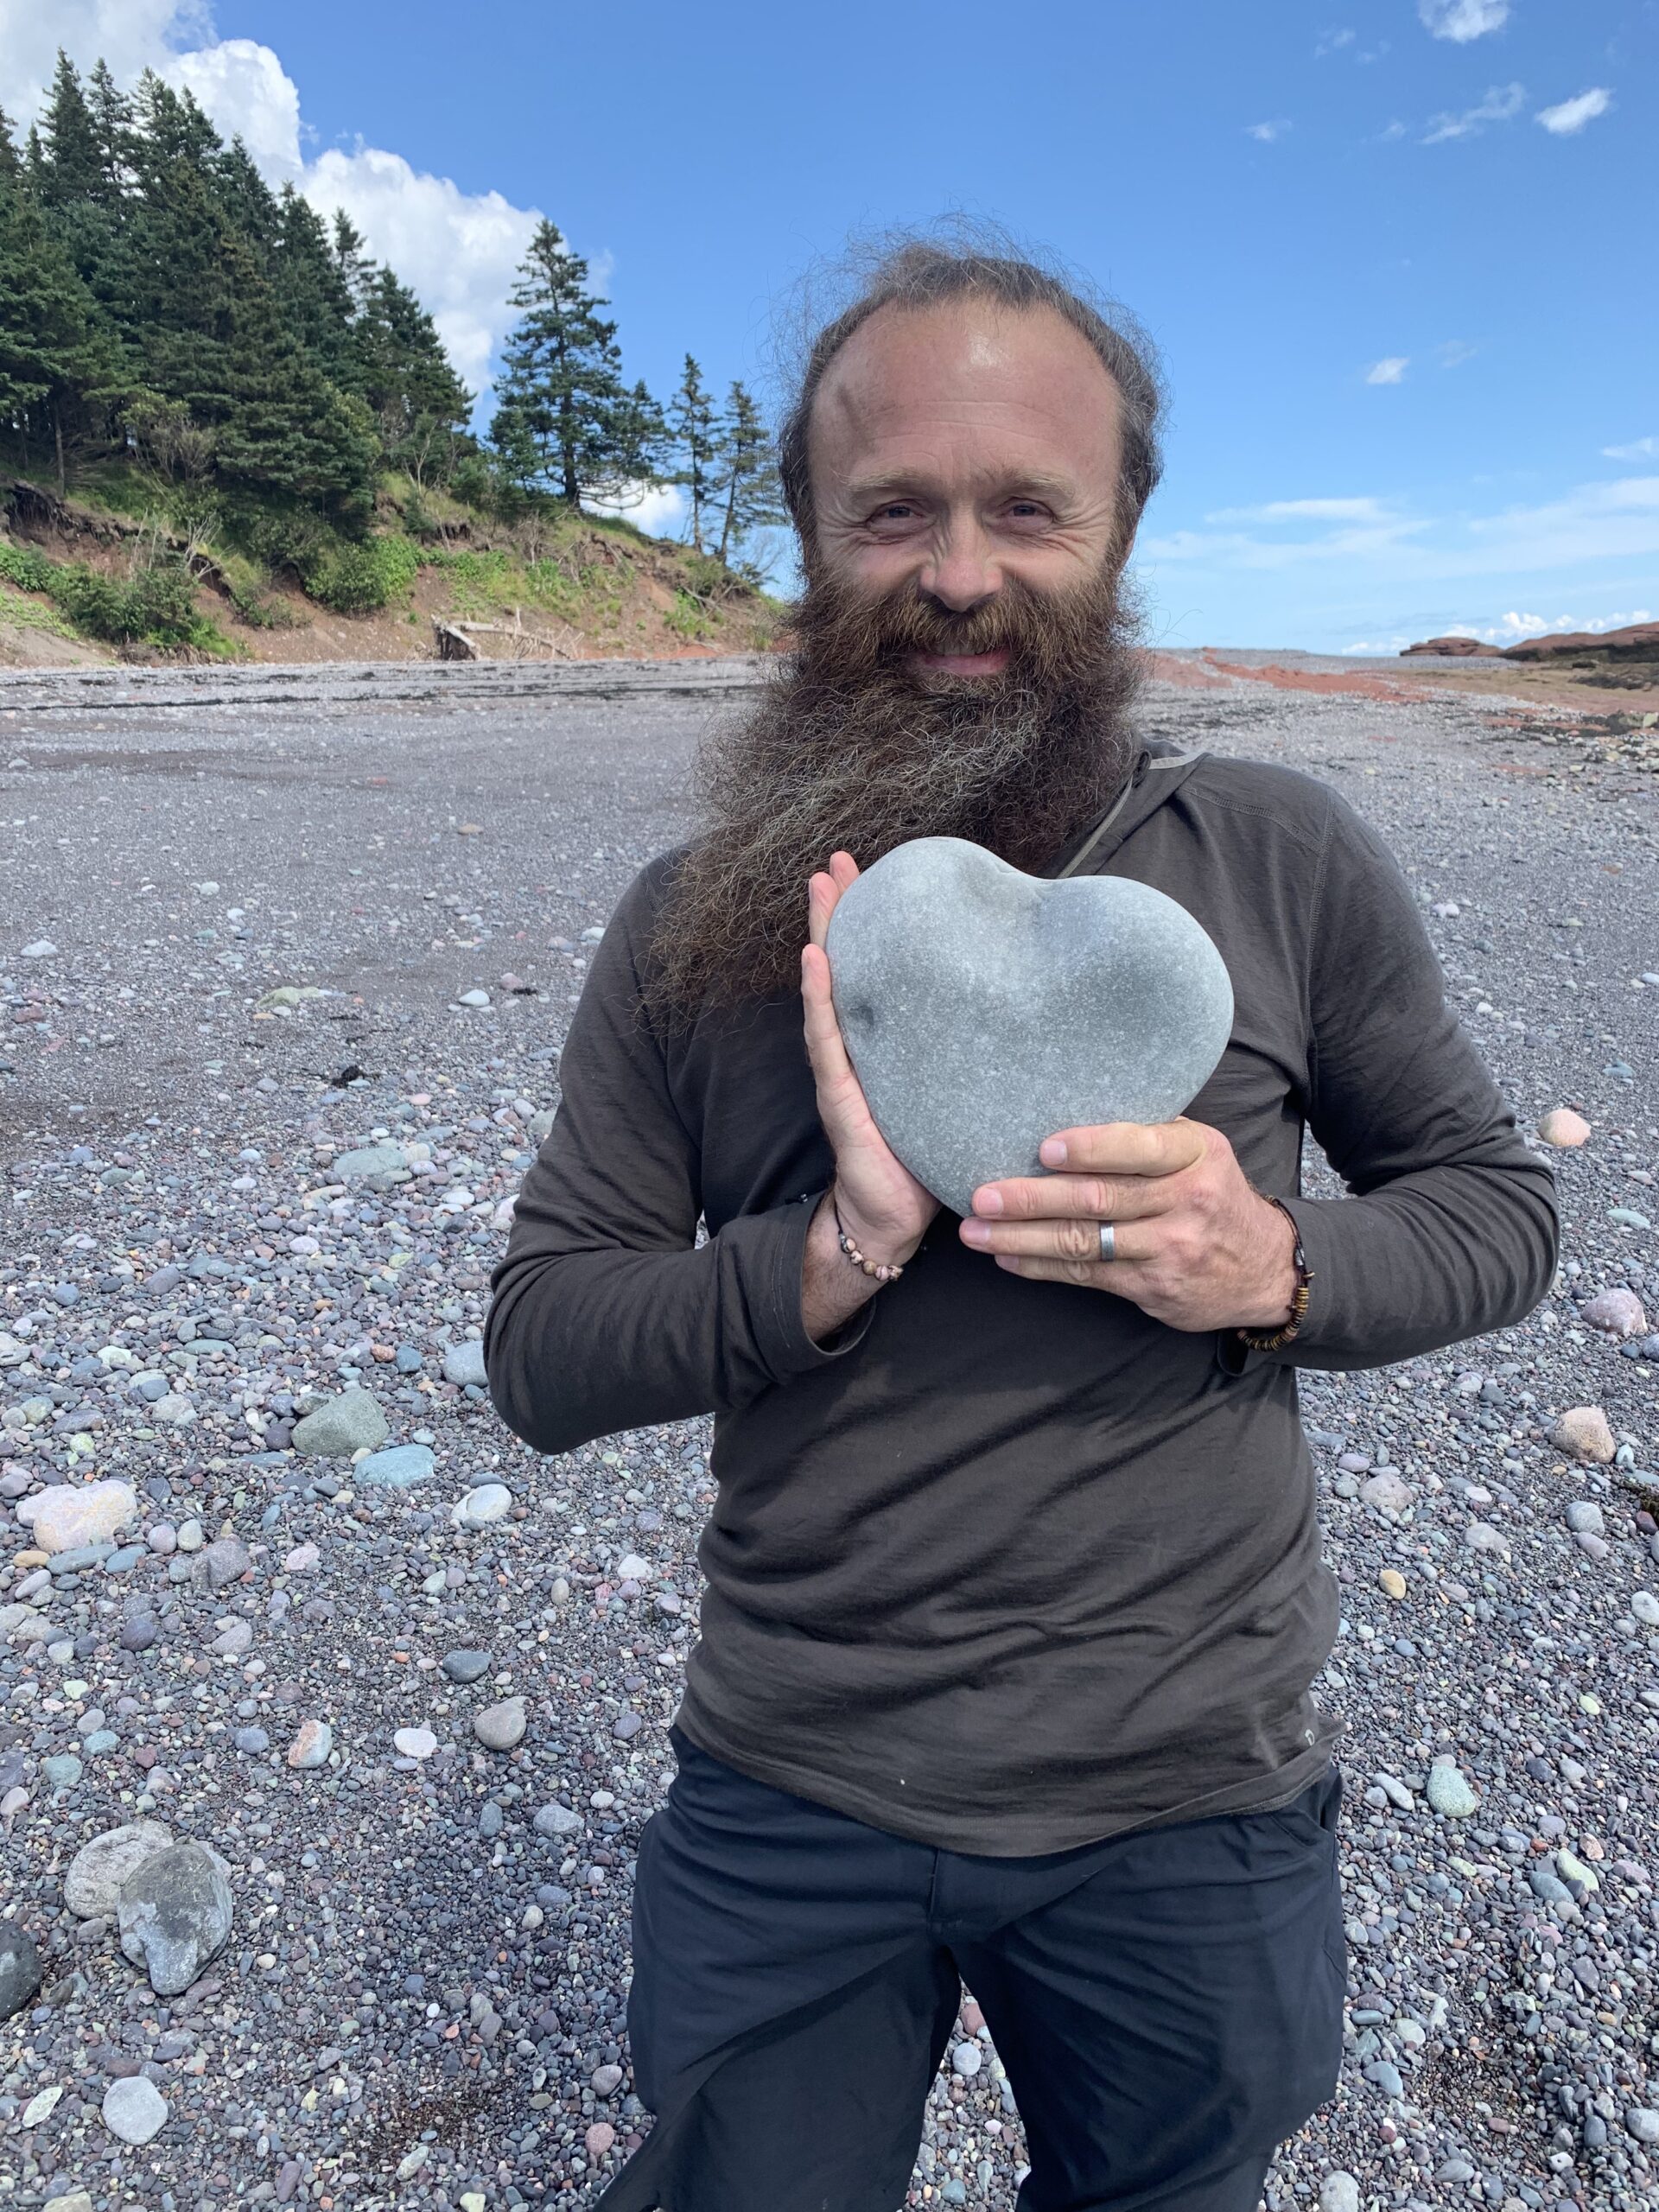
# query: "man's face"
956, 450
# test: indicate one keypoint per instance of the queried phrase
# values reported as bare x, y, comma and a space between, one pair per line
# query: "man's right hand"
884, 1209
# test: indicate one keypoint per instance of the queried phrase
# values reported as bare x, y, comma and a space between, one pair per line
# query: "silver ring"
1107, 1240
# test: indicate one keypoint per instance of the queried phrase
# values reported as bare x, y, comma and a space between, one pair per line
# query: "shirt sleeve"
1452, 1228
607, 1314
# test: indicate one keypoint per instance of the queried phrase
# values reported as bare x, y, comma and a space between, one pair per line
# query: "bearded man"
1014, 1598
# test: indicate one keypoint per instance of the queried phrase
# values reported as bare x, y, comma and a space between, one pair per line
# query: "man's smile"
992, 664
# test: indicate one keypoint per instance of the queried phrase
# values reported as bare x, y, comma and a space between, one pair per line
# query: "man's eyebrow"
1015, 484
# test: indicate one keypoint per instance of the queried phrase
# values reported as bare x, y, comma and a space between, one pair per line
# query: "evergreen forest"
266, 404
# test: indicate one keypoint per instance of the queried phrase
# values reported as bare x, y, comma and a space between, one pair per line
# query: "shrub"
26, 567
359, 579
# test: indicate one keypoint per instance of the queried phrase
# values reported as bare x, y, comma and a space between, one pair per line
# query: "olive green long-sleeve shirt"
1013, 1567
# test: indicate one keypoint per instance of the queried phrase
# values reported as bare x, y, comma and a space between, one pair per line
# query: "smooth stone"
99, 1740
1564, 1129
1389, 1492
251, 1740
1620, 1312
233, 1640
98, 1871
488, 1502
557, 1819
61, 1772
498, 1727
465, 1666
369, 1159
311, 1746
135, 2109
984, 1009
1584, 1432
342, 1426
415, 1743
175, 1913
21, 1968
1643, 2122
1339, 2192
607, 2080
1450, 1794
225, 1559
490, 1818
76, 2201
1584, 1518
190, 1536
73, 1514
966, 2061
1645, 1606
399, 1468
464, 1364
42, 2107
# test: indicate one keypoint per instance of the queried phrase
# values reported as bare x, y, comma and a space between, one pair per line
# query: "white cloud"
1266, 132
1568, 115
1333, 41
1366, 510
1392, 546
458, 250
1513, 628
1503, 104
1391, 370
1454, 353
1463, 20
659, 510
1639, 449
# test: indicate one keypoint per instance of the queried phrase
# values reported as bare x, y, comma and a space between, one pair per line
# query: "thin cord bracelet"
878, 1270
1261, 1340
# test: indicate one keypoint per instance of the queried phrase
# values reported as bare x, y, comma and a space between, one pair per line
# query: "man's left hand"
1194, 1245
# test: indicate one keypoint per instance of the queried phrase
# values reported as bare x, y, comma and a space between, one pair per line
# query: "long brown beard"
851, 748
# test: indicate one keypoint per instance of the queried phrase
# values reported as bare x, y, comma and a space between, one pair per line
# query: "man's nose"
961, 574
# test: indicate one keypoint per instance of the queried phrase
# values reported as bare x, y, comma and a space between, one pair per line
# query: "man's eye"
897, 510
1027, 510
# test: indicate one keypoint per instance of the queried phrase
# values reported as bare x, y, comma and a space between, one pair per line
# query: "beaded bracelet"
879, 1270
1259, 1340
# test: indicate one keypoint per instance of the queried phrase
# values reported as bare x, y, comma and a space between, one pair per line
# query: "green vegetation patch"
154, 605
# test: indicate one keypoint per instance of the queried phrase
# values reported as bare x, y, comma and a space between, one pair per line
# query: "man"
1014, 1595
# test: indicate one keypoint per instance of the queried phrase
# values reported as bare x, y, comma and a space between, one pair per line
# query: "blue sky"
1398, 255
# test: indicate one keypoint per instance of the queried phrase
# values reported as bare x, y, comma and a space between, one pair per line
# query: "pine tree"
314, 295
356, 270
57, 360
565, 421
696, 445
283, 428
419, 405
72, 166
751, 492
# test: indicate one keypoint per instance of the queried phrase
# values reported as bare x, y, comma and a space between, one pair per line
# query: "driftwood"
454, 639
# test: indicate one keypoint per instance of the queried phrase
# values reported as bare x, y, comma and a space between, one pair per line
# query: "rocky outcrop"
1452, 649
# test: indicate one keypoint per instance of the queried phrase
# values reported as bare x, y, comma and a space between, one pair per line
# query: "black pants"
1168, 2004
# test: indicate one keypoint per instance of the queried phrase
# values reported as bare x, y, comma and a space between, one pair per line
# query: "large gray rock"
21, 1968
341, 1426
984, 1009
100, 1870
175, 1915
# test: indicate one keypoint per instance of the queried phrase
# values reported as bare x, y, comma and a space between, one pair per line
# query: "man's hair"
956, 259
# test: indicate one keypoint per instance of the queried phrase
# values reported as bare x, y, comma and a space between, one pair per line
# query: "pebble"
1564, 1129
311, 1746
1339, 2192
1645, 1606
464, 1364
1620, 1312
1584, 1518
63, 1518
500, 1726
1449, 1792
21, 1968
399, 1468
76, 2201
343, 1425
1584, 1432
1392, 1582
488, 1502
415, 1743
966, 2061
176, 1910
98, 1871
253, 1741
605, 2079
1643, 2122
465, 1666
134, 2110
1388, 1492
42, 2107
557, 1819
138, 1632
599, 2138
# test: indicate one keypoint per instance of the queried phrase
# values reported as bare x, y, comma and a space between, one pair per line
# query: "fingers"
1127, 1147
1058, 1197
824, 889
824, 1047
1073, 1241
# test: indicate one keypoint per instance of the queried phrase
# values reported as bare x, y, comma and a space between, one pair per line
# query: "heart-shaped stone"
983, 1009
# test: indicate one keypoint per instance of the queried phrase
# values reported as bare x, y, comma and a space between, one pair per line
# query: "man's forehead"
968, 365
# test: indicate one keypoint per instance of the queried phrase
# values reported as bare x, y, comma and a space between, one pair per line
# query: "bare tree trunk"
57, 430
